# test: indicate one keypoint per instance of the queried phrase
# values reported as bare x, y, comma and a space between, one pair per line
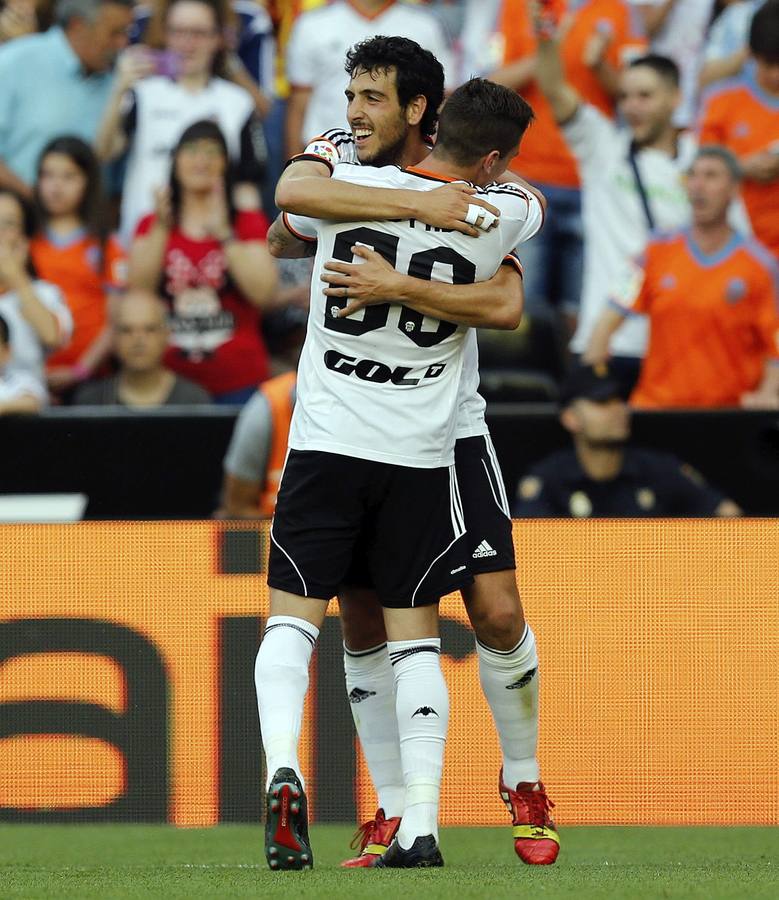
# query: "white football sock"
281, 679
422, 708
509, 679
370, 684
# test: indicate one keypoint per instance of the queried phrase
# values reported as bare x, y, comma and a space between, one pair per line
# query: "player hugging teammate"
392, 496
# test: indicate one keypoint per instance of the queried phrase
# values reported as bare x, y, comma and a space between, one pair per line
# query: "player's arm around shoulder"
495, 304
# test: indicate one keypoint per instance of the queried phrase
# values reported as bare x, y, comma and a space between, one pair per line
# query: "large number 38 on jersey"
409, 322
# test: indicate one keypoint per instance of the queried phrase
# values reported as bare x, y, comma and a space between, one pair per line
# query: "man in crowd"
389, 77
743, 115
677, 29
631, 179
358, 473
319, 41
597, 39
601, 476
141, 334
254, 461
57, 83
711, 300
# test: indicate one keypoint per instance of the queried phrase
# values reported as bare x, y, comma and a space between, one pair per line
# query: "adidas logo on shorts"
483, 550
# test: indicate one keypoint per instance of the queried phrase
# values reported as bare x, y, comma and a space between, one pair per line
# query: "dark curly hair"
417, 72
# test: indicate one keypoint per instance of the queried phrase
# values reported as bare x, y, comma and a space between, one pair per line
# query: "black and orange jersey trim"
293, 232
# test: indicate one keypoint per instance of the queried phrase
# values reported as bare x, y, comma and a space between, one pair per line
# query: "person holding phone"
157, 95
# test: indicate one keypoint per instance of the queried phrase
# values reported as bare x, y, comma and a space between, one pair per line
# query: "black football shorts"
406, 524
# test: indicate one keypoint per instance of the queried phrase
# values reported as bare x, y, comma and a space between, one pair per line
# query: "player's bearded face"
377, 119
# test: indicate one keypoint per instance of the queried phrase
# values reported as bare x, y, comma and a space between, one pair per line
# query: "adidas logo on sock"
483, 550
357, 695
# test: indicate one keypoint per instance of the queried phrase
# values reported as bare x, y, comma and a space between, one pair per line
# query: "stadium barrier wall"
126, 686
167, 463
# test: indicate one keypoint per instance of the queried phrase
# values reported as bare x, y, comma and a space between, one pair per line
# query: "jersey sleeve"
592, 138
521, 213
631, 293
247, 455
512, 259
114, 266
767, 315
712, 122
300, 227
51, 297
331, 147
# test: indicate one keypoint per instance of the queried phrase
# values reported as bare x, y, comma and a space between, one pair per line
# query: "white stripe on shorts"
503, 504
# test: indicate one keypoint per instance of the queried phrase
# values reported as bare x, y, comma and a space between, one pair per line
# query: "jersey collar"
433, 176
711, 259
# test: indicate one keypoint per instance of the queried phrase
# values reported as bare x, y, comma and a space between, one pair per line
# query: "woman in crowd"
38, 319
73, 250
157, 95
209, 261
250, 45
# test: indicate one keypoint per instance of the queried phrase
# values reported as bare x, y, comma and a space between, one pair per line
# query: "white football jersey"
384, 384
336, 146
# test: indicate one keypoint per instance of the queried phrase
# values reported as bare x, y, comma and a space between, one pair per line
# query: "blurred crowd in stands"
140, 146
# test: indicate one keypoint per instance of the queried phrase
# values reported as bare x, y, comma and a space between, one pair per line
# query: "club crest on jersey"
425, 711
736, 290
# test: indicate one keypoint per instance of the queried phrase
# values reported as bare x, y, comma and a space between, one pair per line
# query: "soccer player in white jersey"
390, 78
370, 470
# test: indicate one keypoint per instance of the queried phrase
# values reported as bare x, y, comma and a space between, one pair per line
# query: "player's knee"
499, 624
361, 619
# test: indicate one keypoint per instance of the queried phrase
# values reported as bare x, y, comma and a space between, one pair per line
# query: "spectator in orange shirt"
74, 250
743, 115
711, 299
597, 38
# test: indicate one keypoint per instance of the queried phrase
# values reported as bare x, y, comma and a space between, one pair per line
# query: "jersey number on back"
420, 266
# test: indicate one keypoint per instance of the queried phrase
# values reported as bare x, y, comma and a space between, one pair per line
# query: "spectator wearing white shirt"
318, 45
19, 392
632, 180
149, 112
677, 29
37, 317
727, 47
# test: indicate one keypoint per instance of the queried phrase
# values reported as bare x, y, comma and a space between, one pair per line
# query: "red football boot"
535, 838
373, 838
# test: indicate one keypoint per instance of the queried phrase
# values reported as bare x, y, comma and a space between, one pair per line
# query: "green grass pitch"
150, 861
